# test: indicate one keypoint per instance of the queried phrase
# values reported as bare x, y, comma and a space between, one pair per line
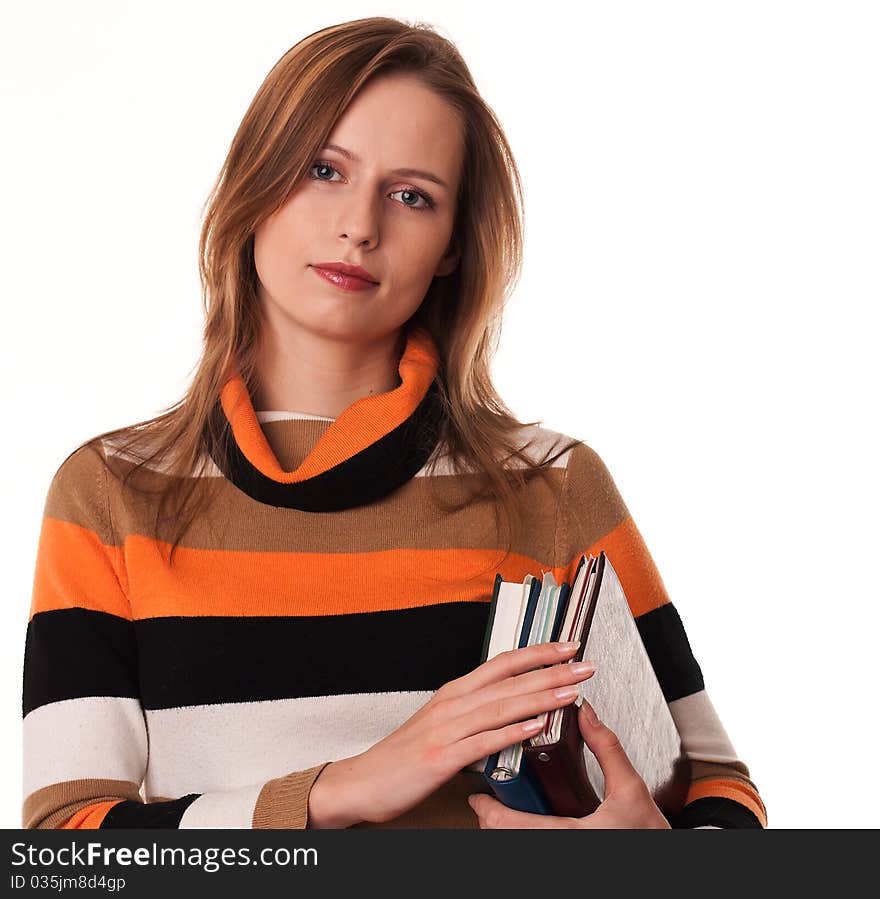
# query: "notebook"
554, 772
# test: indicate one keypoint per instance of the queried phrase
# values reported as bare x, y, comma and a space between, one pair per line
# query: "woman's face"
361, 211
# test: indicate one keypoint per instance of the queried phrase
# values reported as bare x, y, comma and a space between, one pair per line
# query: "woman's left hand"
628, 802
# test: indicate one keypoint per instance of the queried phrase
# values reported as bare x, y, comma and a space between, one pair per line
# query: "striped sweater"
313, 608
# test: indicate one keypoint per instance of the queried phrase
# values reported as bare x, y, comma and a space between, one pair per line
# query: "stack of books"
554, 771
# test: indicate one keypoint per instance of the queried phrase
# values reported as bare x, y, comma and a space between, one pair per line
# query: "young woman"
266, 606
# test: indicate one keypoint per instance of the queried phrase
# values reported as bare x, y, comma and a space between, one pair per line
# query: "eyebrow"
410, 173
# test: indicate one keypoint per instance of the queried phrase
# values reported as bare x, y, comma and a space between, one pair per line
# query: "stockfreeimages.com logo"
210, 859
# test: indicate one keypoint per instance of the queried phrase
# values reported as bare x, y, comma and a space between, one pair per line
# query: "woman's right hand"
467, 719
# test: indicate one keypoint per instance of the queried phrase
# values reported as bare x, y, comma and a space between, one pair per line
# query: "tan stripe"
593, 502
291, 440
408, 517
284, 801
77, 493
49, 807
710, 770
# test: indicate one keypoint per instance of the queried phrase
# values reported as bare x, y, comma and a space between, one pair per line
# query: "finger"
617, 769
563, 674
495, 815
560, 674
485, 716
460, 752
508, 663
485, 730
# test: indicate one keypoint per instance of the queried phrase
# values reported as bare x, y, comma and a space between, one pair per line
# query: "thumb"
617, 769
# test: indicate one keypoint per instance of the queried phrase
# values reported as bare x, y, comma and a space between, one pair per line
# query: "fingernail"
583, 668
567, 647
590, 712
566, 693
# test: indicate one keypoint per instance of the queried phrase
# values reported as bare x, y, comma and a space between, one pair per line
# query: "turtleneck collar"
373, 447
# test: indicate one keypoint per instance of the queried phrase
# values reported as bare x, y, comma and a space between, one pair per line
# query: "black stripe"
174, 661
78, 652
670, 652
129, 813
196, 661
716, 810
370, 474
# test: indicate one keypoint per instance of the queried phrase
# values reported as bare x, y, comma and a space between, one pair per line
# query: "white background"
699, 303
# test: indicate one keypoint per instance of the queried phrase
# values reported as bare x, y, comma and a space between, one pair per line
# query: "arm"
592, 518
85, 738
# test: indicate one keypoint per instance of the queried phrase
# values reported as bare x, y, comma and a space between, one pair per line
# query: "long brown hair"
287, 122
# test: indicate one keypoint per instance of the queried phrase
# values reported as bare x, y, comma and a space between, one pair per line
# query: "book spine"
561, 771
496, 589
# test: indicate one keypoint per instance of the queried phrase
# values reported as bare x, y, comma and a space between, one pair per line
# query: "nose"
360, 220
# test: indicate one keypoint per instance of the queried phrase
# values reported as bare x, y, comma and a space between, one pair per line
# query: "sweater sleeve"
593, 517
85, 738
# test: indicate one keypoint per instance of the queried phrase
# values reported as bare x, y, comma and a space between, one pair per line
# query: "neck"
306, 372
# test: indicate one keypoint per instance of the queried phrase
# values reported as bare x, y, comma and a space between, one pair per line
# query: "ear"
449, 260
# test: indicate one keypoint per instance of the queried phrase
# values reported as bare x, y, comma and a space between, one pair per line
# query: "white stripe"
99, 736
229, 746
234, 809
289, 416
702, 734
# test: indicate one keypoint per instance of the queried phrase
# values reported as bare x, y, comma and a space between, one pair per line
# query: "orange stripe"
90, 817
74, 568
360, 425
730, 789
221, 582
228, 582
638, 575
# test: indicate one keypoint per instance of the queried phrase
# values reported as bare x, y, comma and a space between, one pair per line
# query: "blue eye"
429, 203
322, 165
416, 193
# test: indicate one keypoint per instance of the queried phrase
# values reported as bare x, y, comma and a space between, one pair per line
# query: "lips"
342, 279
355, 271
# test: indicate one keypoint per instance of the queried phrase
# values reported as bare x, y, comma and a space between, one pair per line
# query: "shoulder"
579, 460
589, 484
78, 488
98, 474
88, 470
563, 452
533, 444
537, 443
589, 502
586, 479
